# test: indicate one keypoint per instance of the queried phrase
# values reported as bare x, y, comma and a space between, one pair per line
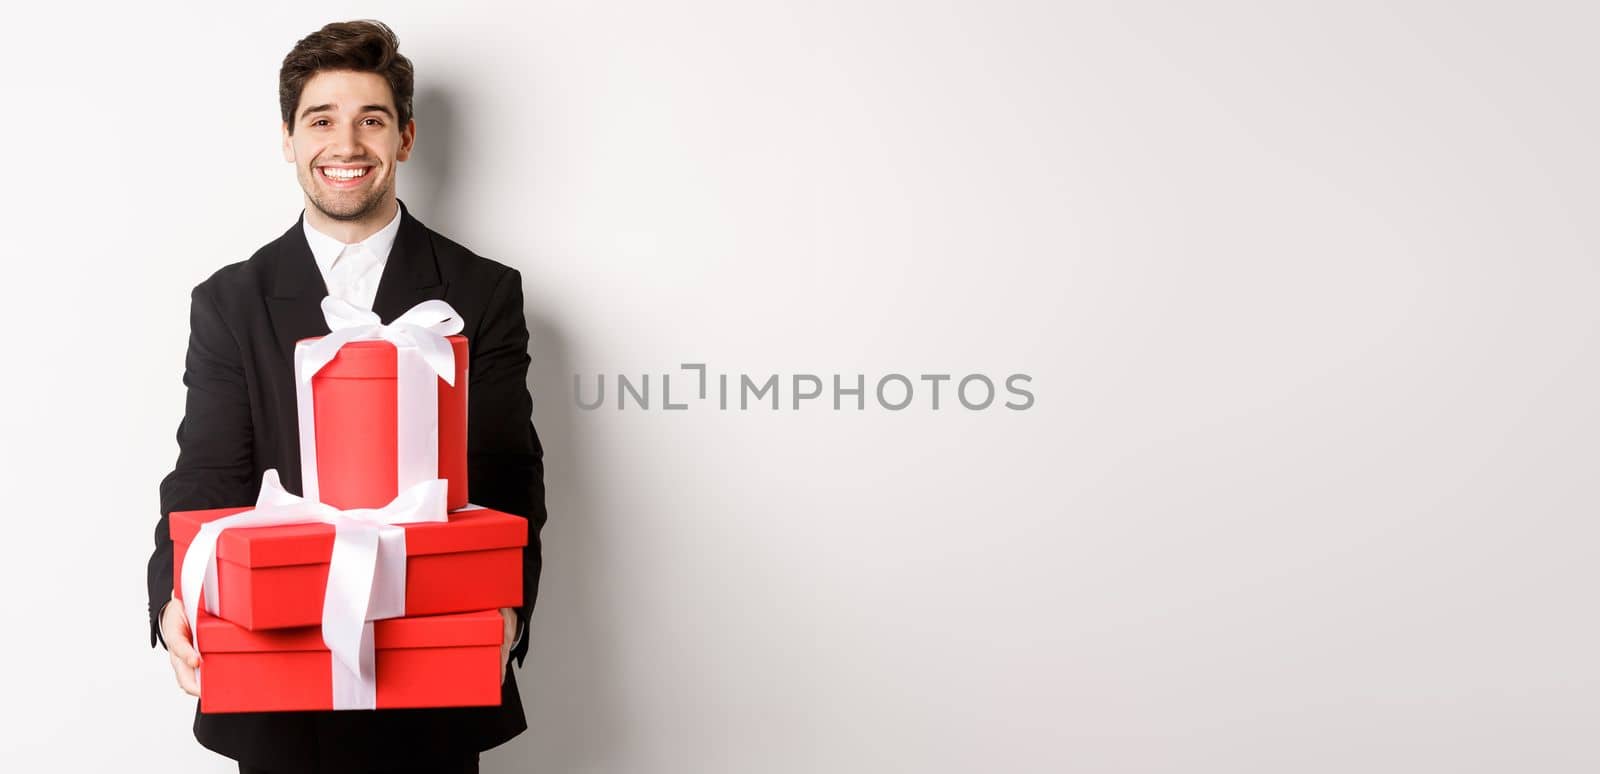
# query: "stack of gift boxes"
410, 617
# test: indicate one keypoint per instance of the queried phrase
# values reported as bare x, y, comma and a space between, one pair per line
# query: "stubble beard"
355, 211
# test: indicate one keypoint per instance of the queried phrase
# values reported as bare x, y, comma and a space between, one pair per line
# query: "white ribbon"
422, 355
366, 572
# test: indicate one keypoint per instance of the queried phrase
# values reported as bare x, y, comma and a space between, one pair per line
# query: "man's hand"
510, 617
180, 649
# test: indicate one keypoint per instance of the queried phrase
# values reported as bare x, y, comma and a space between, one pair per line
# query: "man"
345, 93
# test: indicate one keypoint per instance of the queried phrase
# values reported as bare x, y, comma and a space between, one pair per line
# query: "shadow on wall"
568, 681
430, 179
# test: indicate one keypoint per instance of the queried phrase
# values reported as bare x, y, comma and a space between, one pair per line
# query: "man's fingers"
175, 630
179, 646
505, 658
186, 676
510, 630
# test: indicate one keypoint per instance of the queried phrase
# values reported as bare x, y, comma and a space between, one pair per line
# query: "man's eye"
373, 122
320, 122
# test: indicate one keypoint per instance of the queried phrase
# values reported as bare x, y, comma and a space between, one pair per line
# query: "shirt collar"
326, 249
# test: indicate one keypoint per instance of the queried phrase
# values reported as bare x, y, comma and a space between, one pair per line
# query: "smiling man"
345, 93
345, 133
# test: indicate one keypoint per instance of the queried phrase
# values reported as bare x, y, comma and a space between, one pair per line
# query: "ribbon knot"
423, 327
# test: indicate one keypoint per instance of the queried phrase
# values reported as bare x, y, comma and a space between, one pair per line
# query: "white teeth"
343, 174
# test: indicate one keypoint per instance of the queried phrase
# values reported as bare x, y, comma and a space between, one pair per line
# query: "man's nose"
345, 143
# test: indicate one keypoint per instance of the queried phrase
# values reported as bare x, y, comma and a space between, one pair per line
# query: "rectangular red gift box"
275, 577
431, 661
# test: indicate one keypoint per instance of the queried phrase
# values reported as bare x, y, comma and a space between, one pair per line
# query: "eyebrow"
329, 107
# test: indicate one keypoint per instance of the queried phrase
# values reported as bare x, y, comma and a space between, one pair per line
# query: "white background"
1307, 291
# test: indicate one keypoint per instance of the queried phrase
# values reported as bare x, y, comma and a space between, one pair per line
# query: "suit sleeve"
505, 461
215, 464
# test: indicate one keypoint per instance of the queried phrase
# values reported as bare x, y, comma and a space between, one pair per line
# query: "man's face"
347, 143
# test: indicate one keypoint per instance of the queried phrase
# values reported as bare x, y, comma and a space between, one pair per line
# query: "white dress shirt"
352, 271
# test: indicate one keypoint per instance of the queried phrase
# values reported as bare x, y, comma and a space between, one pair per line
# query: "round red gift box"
355, 405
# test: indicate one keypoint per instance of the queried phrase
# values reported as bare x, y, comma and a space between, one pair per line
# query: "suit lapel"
411, 275
294, 300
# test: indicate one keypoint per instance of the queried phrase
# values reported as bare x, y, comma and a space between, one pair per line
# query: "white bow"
423, 326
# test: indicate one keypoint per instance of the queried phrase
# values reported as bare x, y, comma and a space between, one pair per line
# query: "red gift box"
432, 661
275, 577
356, 413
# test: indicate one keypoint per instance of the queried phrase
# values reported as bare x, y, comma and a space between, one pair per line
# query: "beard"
345, 205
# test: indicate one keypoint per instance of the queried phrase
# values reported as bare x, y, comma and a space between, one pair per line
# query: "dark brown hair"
365, 46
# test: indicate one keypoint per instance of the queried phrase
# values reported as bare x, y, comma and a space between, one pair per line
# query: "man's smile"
350, 176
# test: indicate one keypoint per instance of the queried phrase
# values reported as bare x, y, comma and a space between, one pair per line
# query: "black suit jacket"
239, 421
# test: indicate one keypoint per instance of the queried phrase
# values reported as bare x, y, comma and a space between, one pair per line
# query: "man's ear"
408, 137
288, 145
